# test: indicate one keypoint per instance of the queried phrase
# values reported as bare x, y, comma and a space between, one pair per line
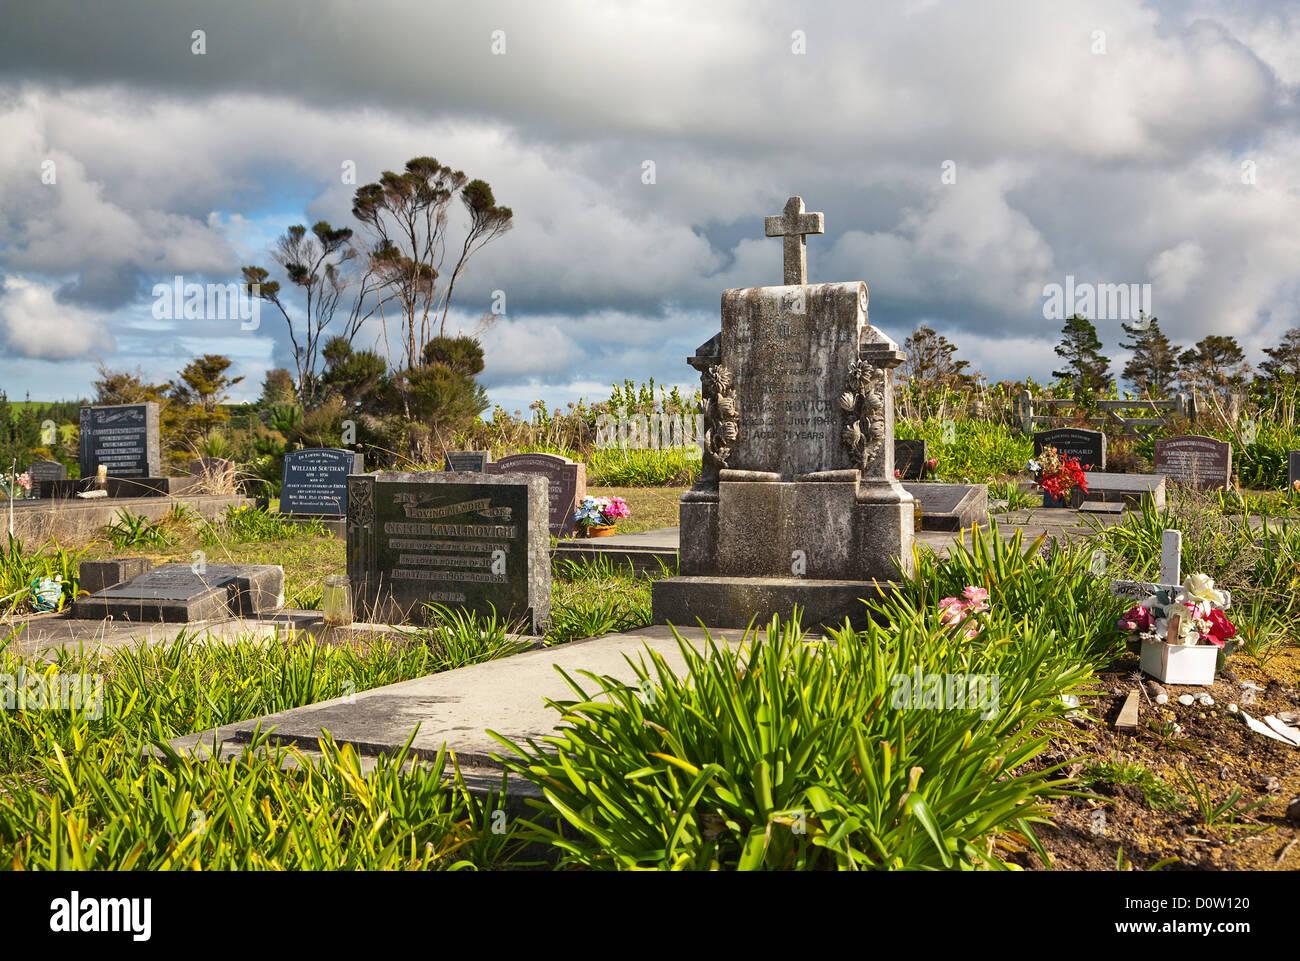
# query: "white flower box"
1180, 663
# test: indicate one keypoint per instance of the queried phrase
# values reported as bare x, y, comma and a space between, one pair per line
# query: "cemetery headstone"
468, 460
177, 593
797, 503
909, 458
1089, 446
427, 537
123, 438
1200, 462
43, 474
215, 473
315, 481
1292, 468
566, 480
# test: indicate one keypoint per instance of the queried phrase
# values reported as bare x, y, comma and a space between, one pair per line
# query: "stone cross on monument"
793, 226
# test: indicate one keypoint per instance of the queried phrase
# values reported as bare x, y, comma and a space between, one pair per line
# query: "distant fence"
1113, 412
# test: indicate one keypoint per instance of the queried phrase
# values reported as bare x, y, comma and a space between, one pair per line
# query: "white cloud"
35, 325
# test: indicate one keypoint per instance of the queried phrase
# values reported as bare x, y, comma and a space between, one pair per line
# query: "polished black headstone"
909, 458
1089, 446
315, 481
43, 473
426, 537
123, 438
475, 461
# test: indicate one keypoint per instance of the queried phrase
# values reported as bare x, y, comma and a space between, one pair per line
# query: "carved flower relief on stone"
863, 407
721, 414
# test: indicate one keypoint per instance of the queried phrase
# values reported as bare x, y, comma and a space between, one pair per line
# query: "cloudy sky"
965, 155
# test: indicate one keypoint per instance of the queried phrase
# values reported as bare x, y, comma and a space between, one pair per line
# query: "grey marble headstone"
42, 473
1089, 446
123, 438
315, 481
427, 537
1204, 463
177, 593
475, 461
910, 457
566, 484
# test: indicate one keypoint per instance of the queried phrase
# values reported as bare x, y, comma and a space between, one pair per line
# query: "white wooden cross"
793, 226
1171, 578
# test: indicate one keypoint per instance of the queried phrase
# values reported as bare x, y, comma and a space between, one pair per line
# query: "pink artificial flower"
932, 463
1136, 618
977, 598
897, 472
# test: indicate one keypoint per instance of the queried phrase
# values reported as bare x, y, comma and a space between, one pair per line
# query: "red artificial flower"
1221, 629
1136, 618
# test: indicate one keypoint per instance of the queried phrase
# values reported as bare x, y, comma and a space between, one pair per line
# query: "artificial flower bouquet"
1184, 632
1057, 475
600, 514
17, 487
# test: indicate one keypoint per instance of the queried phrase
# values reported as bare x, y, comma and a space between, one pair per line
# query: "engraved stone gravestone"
1292, 468
216, 475
566, 484
1201, 462
468, 460
43, 473
315, 481
797, 503
427, 537
1089, 446
123, 438
176, 593
909, 458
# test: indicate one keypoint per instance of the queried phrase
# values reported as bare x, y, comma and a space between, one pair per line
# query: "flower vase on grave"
599, 530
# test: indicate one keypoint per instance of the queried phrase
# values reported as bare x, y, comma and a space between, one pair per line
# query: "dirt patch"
1141, 800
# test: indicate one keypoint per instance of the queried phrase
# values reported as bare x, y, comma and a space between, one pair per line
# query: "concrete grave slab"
176, 593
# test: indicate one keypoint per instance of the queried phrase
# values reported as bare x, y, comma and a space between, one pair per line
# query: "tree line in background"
1215, 366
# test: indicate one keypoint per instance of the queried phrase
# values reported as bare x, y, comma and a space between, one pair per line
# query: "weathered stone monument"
314, 482
428, 537
123, 438
797, 503
1204, 463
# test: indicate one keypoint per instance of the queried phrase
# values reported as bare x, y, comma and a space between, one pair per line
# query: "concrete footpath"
457, 708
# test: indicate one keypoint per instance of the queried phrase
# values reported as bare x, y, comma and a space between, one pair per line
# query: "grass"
77, 792
1157, 793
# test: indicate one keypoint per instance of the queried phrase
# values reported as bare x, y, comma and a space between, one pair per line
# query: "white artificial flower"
1201, 587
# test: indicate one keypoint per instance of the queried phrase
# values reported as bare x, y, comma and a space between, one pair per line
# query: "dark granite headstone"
427, 537
95, 576
1292, 468
566, 480
123, 438
315, 481
43, 473
909, 458
1201, 462
951, 507
176, 593
474, 461
1087, 445
216, 475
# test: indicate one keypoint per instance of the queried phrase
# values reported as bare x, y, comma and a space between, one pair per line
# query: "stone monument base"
737, 601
